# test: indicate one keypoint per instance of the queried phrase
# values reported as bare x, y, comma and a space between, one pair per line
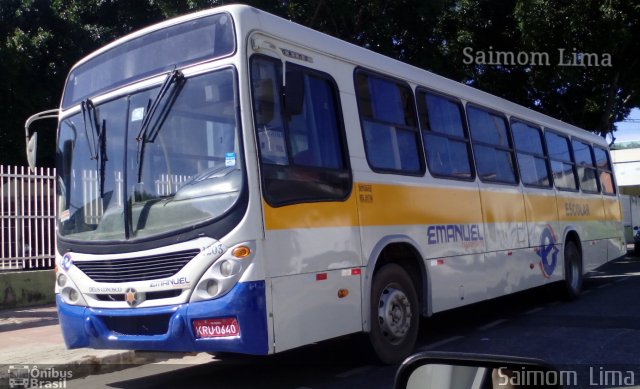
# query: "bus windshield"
156, 52
120, 182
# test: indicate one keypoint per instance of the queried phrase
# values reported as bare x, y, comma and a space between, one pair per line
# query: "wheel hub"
394, 314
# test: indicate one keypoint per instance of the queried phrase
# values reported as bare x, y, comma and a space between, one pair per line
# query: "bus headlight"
62, 280
69, 292
212, 287
224, 273
71, 296
229, 267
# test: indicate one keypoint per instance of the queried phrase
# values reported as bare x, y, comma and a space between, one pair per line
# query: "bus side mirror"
32, 139
294, 92
32, 149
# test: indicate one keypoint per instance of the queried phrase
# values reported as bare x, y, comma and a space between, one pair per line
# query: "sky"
629, 131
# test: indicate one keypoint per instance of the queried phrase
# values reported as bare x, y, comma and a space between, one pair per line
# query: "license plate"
216, 328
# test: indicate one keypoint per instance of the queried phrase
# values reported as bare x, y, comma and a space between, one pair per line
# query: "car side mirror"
635, 228
462, 370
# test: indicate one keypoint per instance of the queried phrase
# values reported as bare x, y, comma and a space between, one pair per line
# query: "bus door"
312, 237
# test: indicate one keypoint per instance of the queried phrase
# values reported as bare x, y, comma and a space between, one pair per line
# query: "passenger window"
585, 166
605, 175
532, 161
303, 154
444, 135
495, 160
389, 124
562, 162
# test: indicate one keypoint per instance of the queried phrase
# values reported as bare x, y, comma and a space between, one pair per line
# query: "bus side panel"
594, 252
616, 246
458, 281
312, 251
512, 271
542, 216
316, 306
586, 215
504, 218
311, 237
443, 223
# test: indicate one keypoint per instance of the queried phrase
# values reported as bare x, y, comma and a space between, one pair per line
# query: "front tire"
572, 270
394, 314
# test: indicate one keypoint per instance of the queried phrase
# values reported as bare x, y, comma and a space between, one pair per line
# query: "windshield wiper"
170, 89
98, 141
89, 112
102, 145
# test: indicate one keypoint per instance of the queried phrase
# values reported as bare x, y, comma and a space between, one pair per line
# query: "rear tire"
394, 314
572, 270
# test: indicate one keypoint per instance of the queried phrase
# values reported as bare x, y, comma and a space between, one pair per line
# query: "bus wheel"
394, 314
572, 270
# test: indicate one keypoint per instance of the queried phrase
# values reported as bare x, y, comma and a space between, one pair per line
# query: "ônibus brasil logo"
547, 249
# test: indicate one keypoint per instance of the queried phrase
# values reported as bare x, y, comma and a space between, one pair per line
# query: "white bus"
232, 181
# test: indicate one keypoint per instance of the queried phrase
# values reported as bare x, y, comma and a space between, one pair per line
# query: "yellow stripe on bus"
540, 208
386, 205
382, 205
502, 207
581, 209
312, 215
612, 209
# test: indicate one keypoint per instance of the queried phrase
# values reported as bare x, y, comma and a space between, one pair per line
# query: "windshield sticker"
230, 159
547, 248
65, 215
137, 114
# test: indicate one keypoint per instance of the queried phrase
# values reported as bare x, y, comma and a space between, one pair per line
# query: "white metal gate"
27, 218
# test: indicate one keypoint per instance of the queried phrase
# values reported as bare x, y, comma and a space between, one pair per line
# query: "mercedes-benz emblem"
131, 296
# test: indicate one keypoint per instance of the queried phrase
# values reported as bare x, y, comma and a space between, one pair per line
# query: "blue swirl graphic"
548, 246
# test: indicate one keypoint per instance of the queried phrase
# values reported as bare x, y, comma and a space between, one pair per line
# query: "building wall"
626, 163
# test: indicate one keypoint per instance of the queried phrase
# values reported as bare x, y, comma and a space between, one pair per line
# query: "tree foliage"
41, 39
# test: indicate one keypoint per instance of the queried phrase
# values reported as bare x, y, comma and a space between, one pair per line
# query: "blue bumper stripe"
89, 327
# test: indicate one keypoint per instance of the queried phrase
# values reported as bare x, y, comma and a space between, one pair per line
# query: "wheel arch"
404, 251
571, 235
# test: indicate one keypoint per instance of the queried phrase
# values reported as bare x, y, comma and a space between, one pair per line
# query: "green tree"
41, 39
590, 97
593, 98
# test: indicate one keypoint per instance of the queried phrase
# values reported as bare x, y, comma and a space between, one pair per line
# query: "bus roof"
250, 19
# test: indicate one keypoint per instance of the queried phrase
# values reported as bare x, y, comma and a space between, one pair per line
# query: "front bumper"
170, 328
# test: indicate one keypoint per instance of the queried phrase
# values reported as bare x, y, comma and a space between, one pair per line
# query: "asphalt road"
595, 334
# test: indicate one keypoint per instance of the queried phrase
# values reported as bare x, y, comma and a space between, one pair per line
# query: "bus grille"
138, 325
136, 269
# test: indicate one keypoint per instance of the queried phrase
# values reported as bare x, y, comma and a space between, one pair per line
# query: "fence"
27, 218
